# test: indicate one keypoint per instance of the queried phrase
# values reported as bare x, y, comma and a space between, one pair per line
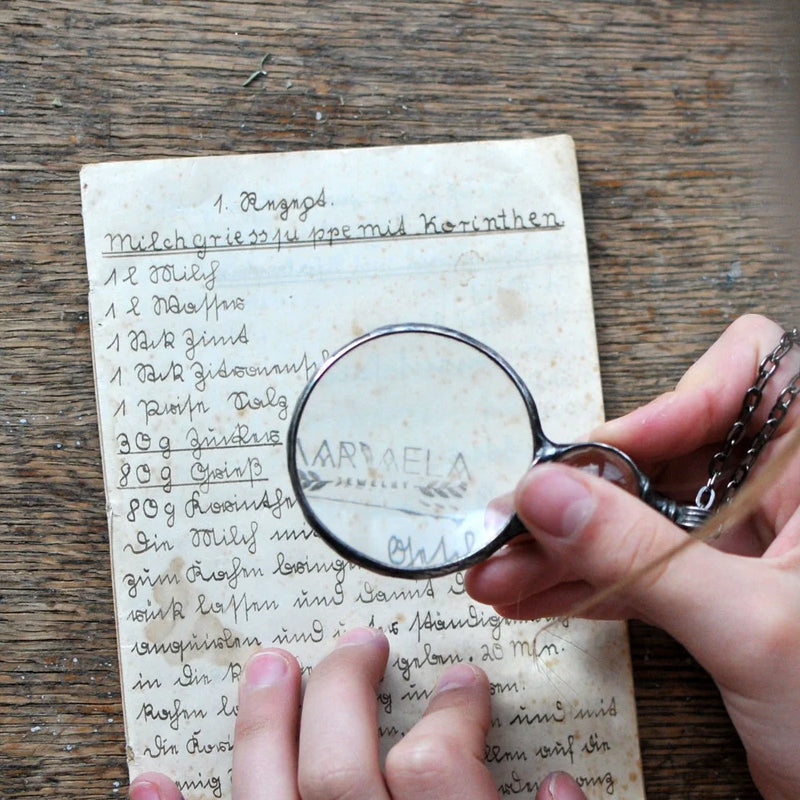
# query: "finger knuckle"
423, 763
254, 728
636, 553
332, 778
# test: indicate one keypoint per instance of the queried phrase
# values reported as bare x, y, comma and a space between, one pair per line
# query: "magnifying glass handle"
687, 516
617, 467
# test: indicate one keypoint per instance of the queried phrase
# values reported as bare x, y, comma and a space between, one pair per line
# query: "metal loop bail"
705, 498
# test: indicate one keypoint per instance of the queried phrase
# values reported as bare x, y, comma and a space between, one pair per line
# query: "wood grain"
668, 103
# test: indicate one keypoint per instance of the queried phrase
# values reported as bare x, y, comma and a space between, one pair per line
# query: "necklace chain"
719, 465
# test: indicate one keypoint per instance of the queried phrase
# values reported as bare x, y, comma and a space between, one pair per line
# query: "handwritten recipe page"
218, 286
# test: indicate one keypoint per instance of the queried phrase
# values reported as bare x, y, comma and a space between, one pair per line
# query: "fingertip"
462, 692
473, 580
461, 676
630, 426
374, 637
554, 500
267, 668
489, 580
367, 647
359, 653
560, 786
153, 786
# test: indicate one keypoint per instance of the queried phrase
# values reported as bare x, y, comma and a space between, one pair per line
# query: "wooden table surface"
669, 104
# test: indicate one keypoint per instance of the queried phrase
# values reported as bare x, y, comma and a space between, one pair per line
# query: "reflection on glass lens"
402, 446
604, 462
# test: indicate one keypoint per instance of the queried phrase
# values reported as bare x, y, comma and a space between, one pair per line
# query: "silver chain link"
719, 465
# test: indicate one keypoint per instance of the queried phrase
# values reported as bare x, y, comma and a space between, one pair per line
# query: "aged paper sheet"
217, 287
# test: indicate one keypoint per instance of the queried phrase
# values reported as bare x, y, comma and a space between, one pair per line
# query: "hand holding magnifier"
404, 443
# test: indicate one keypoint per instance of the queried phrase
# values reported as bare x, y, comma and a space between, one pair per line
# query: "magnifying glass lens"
402, 446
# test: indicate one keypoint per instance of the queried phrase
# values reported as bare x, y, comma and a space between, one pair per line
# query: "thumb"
604, 536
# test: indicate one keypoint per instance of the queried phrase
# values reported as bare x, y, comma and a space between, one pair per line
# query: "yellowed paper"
217, 287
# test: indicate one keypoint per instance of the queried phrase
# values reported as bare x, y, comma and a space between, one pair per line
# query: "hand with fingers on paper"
329, 750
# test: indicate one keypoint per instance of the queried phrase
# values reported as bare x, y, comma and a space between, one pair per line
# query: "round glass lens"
402, 444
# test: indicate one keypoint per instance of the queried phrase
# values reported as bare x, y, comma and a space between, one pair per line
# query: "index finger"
442, 756
265, 752
339, 752
707, 399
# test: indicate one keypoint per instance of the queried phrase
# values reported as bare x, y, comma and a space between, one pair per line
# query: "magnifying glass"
404, 446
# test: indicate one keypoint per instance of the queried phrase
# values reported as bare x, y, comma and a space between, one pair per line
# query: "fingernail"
265, 669
359, 636
550, 499
144, 790
498, 513
561, 786
458, 677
